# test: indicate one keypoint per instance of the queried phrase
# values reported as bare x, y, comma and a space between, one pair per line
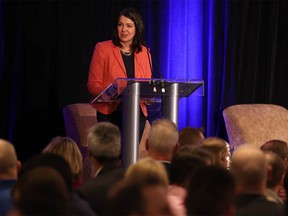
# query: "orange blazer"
107, 65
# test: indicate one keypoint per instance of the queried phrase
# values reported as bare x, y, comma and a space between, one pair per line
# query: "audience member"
68, 149
185, 163
125, 199
146, 181
191, 136
41, 191
275, 178
280, 148
249, 168
76, 205
147, 170
104, 143
162, 141
211, 192
9, 167
220, 149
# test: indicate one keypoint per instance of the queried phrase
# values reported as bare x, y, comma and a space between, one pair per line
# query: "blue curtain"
192, 41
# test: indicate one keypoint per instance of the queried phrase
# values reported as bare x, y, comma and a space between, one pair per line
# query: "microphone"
149, 55
158, 71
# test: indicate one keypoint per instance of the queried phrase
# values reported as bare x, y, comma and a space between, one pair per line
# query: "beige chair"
78, 119
255, 124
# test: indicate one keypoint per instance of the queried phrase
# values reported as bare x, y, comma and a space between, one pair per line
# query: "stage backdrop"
237, 47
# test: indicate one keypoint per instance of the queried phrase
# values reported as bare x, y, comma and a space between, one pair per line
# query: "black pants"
116, 118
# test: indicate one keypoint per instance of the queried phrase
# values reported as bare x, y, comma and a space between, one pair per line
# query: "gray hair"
163, 136
104, 141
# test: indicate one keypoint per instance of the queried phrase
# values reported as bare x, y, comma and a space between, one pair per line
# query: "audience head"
51, 161
211, 192
9, 165
121, 194
249, 168
104, 141
147, 171
276, 170
127, 198
220, 150
146, 182
191, 136
40, 191
162, 140
186, 162
279, 147
68, 149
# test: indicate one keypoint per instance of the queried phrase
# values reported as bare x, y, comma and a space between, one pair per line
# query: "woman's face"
126, 30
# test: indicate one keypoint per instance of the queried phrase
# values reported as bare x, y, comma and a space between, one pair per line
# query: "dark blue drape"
192, 45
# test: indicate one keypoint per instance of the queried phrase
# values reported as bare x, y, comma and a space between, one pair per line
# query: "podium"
130, 92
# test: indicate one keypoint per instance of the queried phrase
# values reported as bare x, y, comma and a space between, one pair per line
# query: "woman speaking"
125, 56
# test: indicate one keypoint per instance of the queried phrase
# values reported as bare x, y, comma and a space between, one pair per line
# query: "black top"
129, 64
95, 191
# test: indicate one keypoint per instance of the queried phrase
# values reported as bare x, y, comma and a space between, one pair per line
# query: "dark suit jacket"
257, 205
167, 166
79, 206
5, 195
95, 190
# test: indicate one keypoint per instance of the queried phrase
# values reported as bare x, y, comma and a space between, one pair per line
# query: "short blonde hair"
147, 171
68, 149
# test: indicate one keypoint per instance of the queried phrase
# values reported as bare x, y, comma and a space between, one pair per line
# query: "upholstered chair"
255, 124
78, 119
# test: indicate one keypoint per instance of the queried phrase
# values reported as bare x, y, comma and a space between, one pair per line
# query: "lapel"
116, 51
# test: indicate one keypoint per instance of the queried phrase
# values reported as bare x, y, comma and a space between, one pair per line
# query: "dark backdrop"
46, 48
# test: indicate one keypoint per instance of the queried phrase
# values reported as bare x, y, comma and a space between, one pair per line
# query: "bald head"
8, 158
249, 168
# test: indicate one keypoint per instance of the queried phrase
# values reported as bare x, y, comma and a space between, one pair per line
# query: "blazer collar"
117, 53
138, 65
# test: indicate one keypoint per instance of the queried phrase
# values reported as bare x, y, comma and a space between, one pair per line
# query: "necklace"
126, 53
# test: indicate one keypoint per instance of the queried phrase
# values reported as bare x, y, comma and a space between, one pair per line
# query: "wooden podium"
130, 92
